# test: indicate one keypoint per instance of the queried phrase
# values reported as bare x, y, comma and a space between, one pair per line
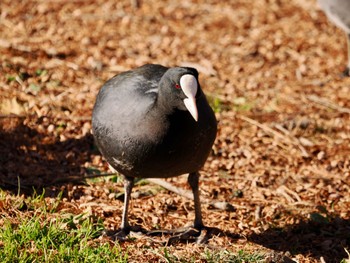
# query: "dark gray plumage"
155, 122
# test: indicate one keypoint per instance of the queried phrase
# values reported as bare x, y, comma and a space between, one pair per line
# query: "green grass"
216, 104
213, 256
10, 78
228, 256
242, 104
239, 104
41, 72
63, 240
39, 234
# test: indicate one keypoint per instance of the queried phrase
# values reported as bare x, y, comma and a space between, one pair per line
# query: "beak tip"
192, 108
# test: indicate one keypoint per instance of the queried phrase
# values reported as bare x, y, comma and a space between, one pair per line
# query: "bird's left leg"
193, 180
194, 232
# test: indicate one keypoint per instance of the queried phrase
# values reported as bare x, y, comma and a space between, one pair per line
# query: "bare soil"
271, 68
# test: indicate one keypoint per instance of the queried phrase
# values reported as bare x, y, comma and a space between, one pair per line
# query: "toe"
190, 235
121, 235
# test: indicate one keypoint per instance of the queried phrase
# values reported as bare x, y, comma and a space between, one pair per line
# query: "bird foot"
189, 234
123, 233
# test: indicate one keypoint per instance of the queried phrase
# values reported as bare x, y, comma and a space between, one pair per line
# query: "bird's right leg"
346, 72
125, 226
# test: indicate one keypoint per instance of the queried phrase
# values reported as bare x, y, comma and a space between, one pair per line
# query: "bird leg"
125, 227
193, 180
346, 72
194, 232
348, 42
185, 233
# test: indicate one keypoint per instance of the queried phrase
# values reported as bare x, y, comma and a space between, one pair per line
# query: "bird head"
181, 89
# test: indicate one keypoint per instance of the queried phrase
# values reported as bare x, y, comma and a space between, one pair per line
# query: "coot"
154, 122
338, 11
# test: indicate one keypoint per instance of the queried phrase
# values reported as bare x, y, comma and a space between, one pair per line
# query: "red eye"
177, 86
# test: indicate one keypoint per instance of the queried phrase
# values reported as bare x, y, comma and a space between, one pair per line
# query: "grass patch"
215, 104
228, 256
213, 256
39, 234
239, 104
63, 240
242, 104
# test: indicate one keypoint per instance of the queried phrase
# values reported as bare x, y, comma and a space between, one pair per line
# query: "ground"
272, 72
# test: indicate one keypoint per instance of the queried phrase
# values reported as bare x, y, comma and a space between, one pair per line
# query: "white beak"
189, 86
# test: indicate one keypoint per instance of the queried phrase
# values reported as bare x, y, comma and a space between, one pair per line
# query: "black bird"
154, 122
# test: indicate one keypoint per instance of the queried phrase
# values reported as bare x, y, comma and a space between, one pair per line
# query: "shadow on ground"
315, 239
31, 161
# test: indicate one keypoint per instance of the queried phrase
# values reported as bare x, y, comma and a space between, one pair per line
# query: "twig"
182, 192
263, 127
327, 104
6, 44
293, 141
4, 116
27, 49
75, 118
286, 193
90, 176
188, 194
322, 174
72, 118
257, 213
347, 260
172, 188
